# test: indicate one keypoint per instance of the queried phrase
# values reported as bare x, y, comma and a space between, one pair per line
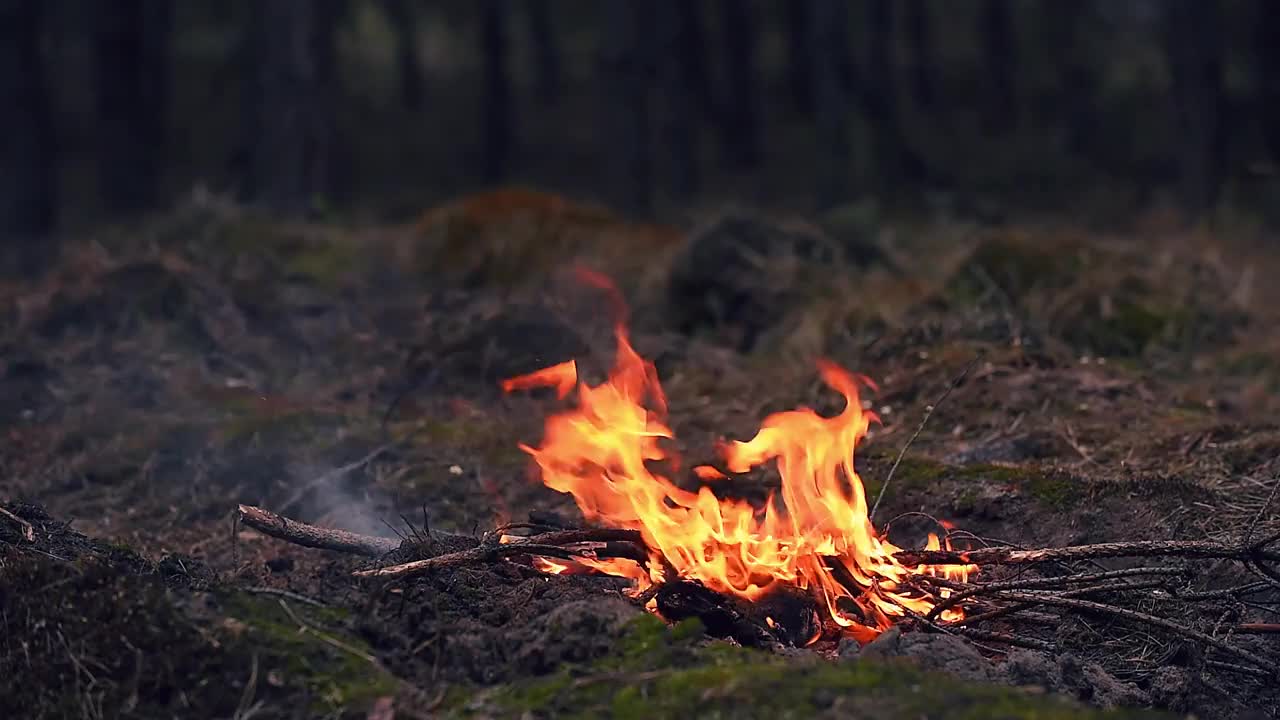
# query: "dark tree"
27, 192
627, 70
740, 115
798, 24
1194, 48
546, 50
1000, 54
828, 37
1267, 72
290, 125
405, 29
895, 159
692, 54
922, 62
131, 67
499, 139
678, 34
1066, 26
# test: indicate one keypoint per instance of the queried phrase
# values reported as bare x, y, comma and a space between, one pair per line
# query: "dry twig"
28, 532
1142, 548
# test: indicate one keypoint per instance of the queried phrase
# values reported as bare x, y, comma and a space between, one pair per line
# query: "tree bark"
740, 116
829, 41
1065, 28
895, 159
999, 48
132, 69
404, 27
546, 50
497, 111
27, 152
627, 61
290, 108
1267, 71
1194, 48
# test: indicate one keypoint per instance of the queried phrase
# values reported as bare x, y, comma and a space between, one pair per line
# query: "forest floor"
1122, 387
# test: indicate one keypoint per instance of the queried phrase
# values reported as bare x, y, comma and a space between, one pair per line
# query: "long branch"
1142, 548
563, 544
300, 533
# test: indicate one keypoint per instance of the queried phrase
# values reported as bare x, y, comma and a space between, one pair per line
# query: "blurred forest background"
380, 108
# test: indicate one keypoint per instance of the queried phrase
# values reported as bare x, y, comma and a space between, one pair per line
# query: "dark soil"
157, 378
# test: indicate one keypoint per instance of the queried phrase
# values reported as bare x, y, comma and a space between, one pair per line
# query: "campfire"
808, 564
813, 534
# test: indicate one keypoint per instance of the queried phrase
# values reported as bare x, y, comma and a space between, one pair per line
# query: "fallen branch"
1143, 548
976, 589
563, 544
28, 532
300, 533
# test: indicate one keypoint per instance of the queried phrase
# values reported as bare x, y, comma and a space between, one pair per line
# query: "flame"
818, 538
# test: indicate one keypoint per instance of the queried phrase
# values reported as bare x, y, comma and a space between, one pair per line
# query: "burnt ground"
1125, 387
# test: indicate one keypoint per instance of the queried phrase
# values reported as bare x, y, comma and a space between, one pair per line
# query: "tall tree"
1065, 30
1000, 55
290, 125
132, 70
1267, 71
740, 115
922, 60
499, 141
678, 33
895, 159
1194, 48
828, 36
404, 28
627, 70
546, 50
799, 22
27, 186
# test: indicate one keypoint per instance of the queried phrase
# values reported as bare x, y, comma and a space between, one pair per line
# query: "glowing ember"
818, 538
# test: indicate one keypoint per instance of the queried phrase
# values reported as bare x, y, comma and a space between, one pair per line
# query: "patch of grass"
334, 668
1051, 490
668, 672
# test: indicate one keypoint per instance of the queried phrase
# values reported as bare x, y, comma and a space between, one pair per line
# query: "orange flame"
819, 539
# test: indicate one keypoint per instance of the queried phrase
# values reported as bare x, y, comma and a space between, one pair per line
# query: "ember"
817, 538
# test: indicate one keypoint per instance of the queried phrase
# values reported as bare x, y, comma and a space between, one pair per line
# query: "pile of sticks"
1040, 580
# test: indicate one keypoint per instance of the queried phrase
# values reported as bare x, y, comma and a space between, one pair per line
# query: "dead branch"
1142, 548
300, 533
563, 544
28, 532
977, 589
1136, 616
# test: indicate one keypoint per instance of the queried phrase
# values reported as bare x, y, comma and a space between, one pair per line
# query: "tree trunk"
1267, 71
27, 186
627, 72
999, 48
799, 23
740, 116
829, 41
922, 61
1194, 48
546, 50
497, 110
290, 109
895, 160
681, 101
1065, 28
404, 26
132, 69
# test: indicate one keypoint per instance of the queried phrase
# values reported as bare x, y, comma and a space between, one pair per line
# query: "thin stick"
300, 533
1141, 548
1262, 510
1090, 606
1006, 638
28, 531
563, 544
1032, 583
924, 421
285, 594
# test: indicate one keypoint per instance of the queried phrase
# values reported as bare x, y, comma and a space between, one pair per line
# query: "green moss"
1016, 266
663, 672
916, 474
1125, 331
309, 647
